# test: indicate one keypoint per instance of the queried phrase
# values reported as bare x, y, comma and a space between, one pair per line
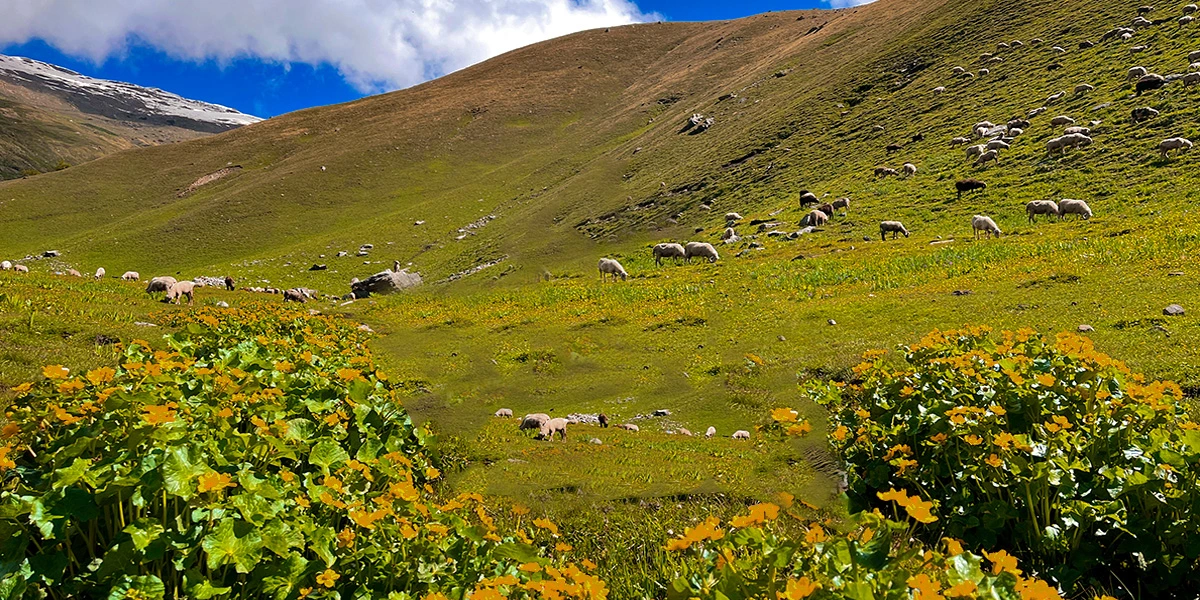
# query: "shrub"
261, 455
1046, 448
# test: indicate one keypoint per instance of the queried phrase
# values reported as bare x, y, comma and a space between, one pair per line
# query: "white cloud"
376, 44
847, 3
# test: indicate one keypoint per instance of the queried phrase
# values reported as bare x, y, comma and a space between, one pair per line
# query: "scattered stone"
222, 304
318, 267
595, 441
367, 247
662, 412
1085, 328
50, 253
366, 328
418, 223
832, 322
962, 292
342, 253
1175, 274
385, 282
781, 338
104, 340
362, 253
1173, 310
144, 324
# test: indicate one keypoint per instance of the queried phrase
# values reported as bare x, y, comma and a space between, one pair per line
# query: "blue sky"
268, 57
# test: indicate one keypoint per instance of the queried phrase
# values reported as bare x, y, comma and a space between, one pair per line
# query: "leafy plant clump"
261, 455
1046, 448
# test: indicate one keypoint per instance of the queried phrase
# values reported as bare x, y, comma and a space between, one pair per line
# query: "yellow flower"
70, 387
561, 547
23, 388
225, 412
546, 524
1004, 439
784, 415
798, 588
158, 414
799, 428
920, 510
1036, 589
1046, 380
840, 433
101, 376
6, 462
520, 509
927, 589
9, 430
814, 535
328, 578
678, 544
332, 483
953, 546
973, 440
759, 514
966, 588
1002, 561
435, 596
530, 567
284, 366
997, 410
346, 537
348, 374
902, 465
55, 372
994, 461
213, 481
432, 473
893, 495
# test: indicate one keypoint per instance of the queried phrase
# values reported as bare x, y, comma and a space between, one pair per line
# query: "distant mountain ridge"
52, 117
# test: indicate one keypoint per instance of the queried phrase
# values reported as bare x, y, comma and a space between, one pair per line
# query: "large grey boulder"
386, 282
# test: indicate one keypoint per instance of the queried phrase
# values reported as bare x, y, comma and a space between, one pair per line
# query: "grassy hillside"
576, 147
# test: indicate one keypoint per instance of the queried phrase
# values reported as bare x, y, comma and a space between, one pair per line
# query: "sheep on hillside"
1066, 206
893, 227
609, 266
504, 413
1149, 82
741, 434
814, 219
1136, 73
1191, 79
160, 284
1061, 120
668, 250
975, 151
1055, 97
131, 276
885, 172
100, 273
729, 235
1037, 111
534, 421
700, 250
986, 225
1080, 130
1189, 9
1083, 88
958, 141
627, 427
20, 268
1142, 114
74, 273
957, 71
1041, 207
1074, 140
992, 155
711, 432
1015, 131
968, 185
1017, 123
730, 217
5, 265
997, 145
842, 203
551, 427
826, 208
908, 169
939, 89
178, 290
294, 295
983, 72
807, 197
1175, 143
1186, 20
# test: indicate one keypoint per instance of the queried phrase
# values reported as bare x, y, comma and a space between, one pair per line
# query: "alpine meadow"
927, 332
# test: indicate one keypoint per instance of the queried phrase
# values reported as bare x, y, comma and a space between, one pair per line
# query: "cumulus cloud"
376, 44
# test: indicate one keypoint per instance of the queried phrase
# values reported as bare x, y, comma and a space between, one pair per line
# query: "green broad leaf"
43, 519
858, 590
300, 430
966, 567
143, 532
179, 473
51, 566
369, 450
149, 587
205, 590
75, 504
280, 538
517, 551
285, 578
12, 587
253, 508
321, 541
327, 453
224, 547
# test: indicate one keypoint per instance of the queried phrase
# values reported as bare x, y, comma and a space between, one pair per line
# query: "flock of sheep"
548, 427
173, 291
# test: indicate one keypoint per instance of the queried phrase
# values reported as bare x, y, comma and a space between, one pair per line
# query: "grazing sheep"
1149, 82
610, 266
1191, 79
1055, 97
957, 71
1041, 207
985, 56
992, 155
842, 203
1074, 140
1073, 130
1058, 49
1186, 20
100, 273
997, 145
603, 420
807, 197
893, 148
534, 421
741, 434
968, 185
918, 137
6, 266
229, 283
1036, 41
1002, 46
505, 413
729, 234
996, 59
984, 125
1136, 73
179, 289
667, 250
908, 169
701, 250
983, 72
1084, 45
980, 131
893, 227
1175, 143
1194, 67
980, 223
551, 427
975, 151
1016, 43
939, 89
878, 129
131, 276
1189, 9
826, 208
1015, 131
967, 75
1142, 114
1017, 124
1142, 10
1084, 88
160, 284
627, 427
1125, 37
732, 217
1067, 206
814, 219
1139, 22
958, 141
885, 171
684, 431
1037, 111
1061, 120
20, 268
711, 432
294, 295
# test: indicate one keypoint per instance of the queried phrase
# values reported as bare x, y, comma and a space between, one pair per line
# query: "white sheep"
668, 250
1002, 46
983, 124
160, 284
20, 268
551, 427
732, 217
842, 203
957, 71
980, 131
939, 89
74, 273
729, 234
992, 155
701, 250
908, 169
100, 273
986, 225
1015, 131
534, 421
131, 276
178, 290
628, 427
893, 227
6, 266
684, 431
958, 141
1083, 88
975, 151
1175, 143
814, 219
1066, 206
1189, 9
741, 434
1191, 79
1061, 120
996, 59
997, 145
983, 72
1037, 111
1073, 130
1041, 207
1186, 20
610, 266
1074, 140
1055, 97
1140, 72
1141, 22
505, 413
711, 432
1058, 49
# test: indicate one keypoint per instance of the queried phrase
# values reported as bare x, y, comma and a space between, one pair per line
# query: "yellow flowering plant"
1038, 445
